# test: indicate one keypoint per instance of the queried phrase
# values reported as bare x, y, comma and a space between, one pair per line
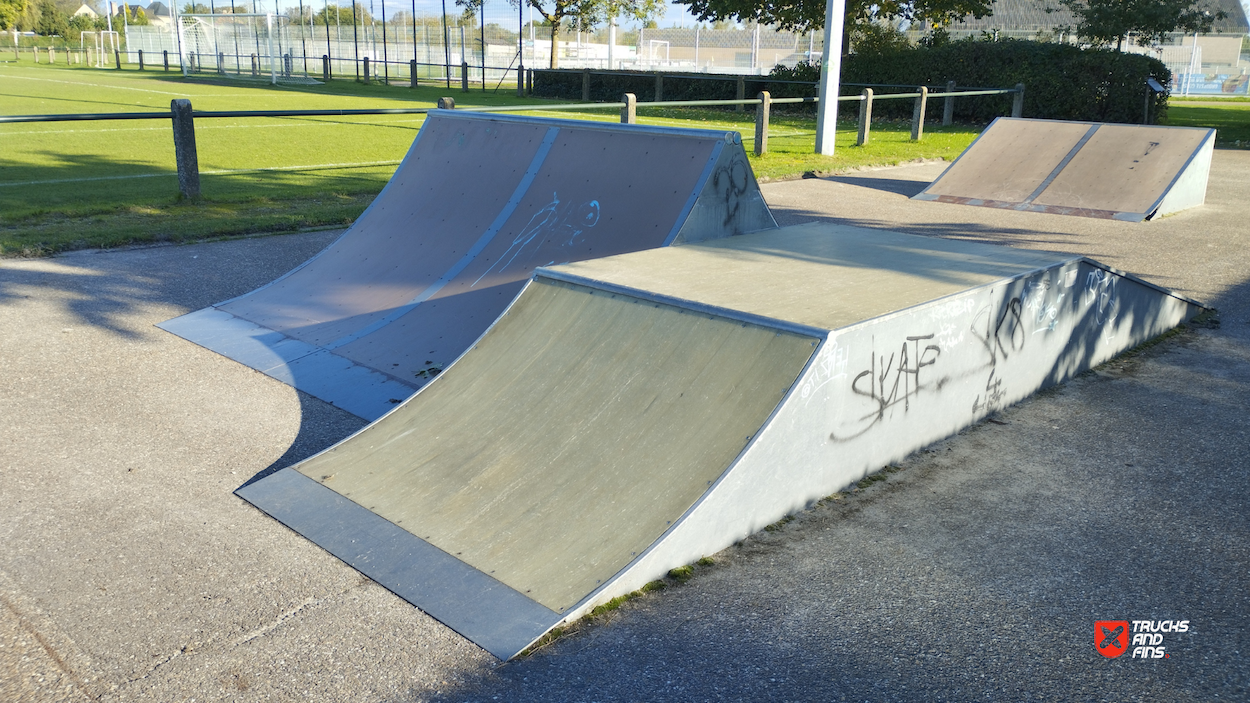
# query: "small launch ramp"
1111, 171
478, 202
632, 414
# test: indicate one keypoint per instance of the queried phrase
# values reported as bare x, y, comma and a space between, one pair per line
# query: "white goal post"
241, 45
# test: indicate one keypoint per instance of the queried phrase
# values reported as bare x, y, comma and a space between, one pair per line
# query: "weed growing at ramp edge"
72, 185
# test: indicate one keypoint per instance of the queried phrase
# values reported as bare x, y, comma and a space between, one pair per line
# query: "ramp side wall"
727, 202
878, 391
1190, 188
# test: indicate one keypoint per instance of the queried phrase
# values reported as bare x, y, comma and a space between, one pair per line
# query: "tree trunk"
555, 32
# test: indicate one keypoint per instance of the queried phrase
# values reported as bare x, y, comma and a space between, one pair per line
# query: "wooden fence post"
184, 148
586, 85
1017, 105
761, 123
865, 118
917, 115
629, 113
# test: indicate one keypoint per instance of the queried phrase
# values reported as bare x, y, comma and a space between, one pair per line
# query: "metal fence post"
447, 103
629, 113
761, 123
741, 94
948, 109
184, 148
586, 85
659, 86
917, 115
865, 118
464, 76
1017, 105
325, 67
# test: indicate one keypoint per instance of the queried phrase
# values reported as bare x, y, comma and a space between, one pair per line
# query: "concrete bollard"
447, 103
948, 108
255, 65
917, 115
366, 69
761, 123
1017, 104
221, 63
629, 113
184, 148
586, 85
865, 118
464, 76
117, 59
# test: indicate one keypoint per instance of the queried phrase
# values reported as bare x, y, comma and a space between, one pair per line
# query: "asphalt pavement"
975, 570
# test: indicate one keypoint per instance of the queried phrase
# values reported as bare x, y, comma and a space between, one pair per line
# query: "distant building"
158, 14
85, 11
1215, 66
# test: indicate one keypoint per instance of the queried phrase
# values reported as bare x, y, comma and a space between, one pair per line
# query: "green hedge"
1061, 81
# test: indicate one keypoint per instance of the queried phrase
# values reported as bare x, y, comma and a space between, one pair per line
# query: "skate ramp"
1110, 171
475, 206
631, 414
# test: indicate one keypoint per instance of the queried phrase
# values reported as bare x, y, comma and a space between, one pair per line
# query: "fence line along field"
67, 185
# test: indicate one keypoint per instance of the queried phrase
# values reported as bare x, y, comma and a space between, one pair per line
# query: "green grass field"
66, 185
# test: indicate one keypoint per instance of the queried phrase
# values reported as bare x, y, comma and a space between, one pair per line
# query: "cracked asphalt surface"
974, 569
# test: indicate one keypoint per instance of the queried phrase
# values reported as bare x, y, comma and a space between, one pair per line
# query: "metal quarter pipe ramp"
1110, 171
631, 414
478, 202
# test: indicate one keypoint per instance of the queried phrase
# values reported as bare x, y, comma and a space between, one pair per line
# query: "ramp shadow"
898, 186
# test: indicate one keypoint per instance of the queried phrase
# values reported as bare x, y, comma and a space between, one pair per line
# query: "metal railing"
183, 117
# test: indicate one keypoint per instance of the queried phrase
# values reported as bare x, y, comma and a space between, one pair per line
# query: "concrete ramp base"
631, 414
476, 205
1111, 171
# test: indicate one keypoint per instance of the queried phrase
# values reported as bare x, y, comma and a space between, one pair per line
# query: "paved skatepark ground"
129, 570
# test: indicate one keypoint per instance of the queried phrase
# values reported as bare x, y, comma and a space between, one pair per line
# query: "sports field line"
126, 87
218, 172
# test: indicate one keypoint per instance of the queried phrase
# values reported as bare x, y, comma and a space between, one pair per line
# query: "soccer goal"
250, 46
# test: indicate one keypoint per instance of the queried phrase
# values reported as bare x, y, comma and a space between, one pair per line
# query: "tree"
1149, 21
11, 12
809, 15
51, 20
583, 15
342, 14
